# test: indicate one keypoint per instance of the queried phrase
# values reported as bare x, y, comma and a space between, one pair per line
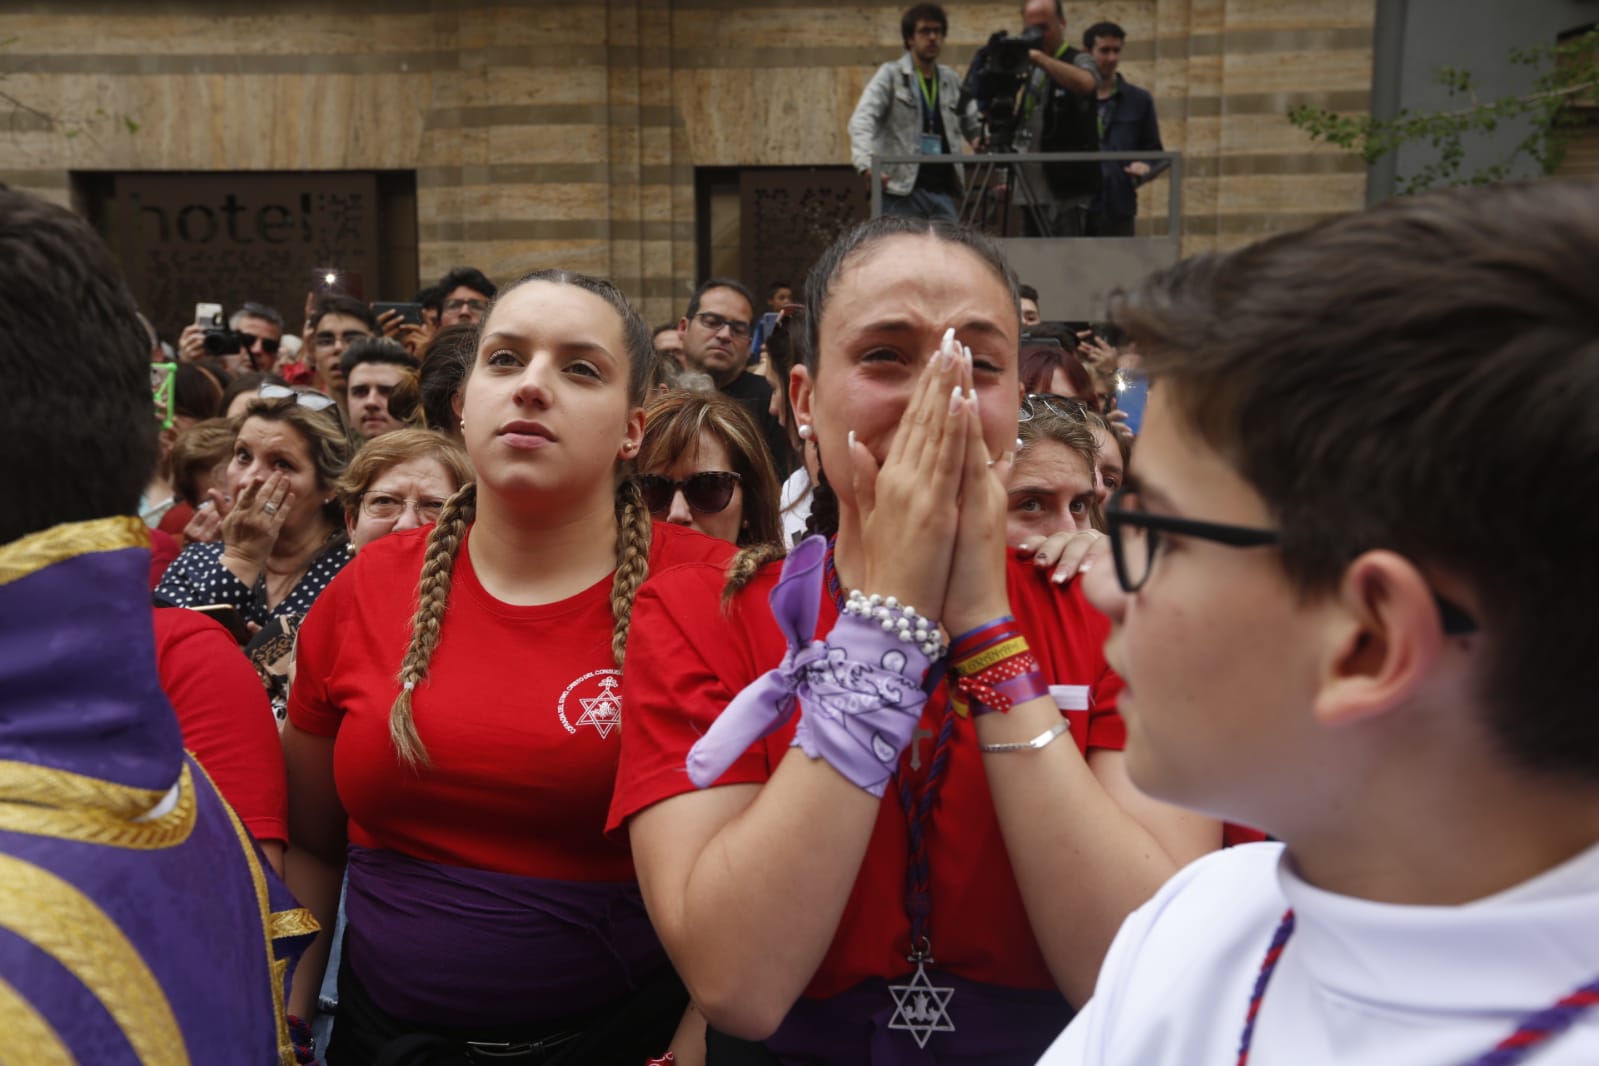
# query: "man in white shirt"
1335, 625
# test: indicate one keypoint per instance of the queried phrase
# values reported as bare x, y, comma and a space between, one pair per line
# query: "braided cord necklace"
920, 1007
1530, 1034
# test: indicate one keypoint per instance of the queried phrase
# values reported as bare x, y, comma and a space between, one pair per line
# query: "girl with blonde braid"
454, 735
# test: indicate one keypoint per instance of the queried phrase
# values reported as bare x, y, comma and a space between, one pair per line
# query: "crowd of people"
894, 675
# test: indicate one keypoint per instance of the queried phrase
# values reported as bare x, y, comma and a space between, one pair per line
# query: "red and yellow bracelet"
994, 669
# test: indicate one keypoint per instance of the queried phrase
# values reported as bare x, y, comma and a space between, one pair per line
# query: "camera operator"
914, 106
251, 341
1058, 114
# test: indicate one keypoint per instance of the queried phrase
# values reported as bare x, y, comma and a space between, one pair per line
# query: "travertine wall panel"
559, 132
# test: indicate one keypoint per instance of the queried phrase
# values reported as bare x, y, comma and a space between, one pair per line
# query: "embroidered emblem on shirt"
601, 702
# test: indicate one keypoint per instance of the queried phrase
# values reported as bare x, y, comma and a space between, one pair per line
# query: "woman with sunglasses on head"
703, 464
1050, 489
468, 679
282, 538
935, 874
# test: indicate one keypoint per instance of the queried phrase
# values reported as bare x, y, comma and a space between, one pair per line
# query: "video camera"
997, 73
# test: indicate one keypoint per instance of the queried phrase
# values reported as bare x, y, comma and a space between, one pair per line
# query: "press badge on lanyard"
932, 140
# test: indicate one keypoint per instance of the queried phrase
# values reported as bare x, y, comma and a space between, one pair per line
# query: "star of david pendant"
921, 1007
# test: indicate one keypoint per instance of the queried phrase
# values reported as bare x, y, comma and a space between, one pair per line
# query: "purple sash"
448, 945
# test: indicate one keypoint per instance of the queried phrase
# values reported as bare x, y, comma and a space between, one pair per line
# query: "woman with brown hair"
282, 538
400, 480
703, 464
470, 678
858, 856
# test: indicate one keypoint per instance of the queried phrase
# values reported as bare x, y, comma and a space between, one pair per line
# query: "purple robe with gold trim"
138, 923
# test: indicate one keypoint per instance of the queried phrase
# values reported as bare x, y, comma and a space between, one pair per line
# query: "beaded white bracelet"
901, 620
1041, 741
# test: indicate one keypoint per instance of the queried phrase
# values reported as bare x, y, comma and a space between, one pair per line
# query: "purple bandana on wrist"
859, 690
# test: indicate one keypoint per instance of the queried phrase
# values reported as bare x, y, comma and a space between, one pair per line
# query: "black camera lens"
225, 342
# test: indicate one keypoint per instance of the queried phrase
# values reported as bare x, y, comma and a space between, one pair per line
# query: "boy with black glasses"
1334, 625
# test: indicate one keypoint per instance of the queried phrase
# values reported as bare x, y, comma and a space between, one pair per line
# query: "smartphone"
230, 618
208, 316
1132, 396
763, 329
410, 313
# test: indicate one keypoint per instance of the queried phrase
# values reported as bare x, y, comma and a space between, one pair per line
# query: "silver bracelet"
1043, 740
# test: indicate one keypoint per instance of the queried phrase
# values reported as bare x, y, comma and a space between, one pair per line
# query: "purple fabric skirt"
454, 946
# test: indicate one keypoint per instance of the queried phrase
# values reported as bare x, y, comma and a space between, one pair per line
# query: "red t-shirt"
225, 716
520, 714
686, 660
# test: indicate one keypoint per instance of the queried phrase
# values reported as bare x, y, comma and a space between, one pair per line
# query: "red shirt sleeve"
225, 716
311, 708
686, 652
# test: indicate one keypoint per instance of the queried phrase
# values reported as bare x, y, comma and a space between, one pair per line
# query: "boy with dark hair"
373, 368
138, 922
336, 323
1335, 624
936, 123
1127, 123
467, 292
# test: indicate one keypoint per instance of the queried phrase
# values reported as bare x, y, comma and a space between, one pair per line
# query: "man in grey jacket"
909, 108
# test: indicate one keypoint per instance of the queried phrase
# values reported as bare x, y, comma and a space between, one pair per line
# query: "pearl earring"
805, 431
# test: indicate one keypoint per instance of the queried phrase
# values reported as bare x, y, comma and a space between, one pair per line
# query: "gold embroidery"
99, 827
293, 923
65, 924
301, 918
30, 554
28, 1036
22, 782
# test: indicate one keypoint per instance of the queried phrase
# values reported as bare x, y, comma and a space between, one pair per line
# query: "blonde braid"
632, 561
433, 591
746, 564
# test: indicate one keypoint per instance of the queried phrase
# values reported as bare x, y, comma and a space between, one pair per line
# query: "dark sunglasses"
708, 492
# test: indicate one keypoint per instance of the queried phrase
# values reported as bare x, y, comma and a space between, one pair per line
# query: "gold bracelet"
1043, 740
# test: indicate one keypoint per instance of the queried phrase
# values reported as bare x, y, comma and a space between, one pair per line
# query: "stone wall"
565, 132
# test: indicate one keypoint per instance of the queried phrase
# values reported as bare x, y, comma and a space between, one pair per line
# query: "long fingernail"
947, 349
1086, 565
852, 440
966, 353
955, 398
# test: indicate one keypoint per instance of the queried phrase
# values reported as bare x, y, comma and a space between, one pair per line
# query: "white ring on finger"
270, 508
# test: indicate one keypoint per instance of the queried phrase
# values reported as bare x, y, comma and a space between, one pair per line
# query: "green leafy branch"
1568, 74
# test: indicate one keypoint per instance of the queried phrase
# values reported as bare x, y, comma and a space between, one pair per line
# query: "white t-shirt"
1358, 982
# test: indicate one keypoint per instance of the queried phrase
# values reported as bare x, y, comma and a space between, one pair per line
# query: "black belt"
501, 1051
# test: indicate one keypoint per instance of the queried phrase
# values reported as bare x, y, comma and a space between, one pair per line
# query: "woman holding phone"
852, 866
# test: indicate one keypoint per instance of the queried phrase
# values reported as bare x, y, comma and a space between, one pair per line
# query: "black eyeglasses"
1065, 406
1135, 537
714, 322
708, 492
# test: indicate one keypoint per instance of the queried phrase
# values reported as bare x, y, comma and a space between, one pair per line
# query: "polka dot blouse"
197, 577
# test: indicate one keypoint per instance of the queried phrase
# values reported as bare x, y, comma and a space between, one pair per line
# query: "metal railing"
1174, 174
